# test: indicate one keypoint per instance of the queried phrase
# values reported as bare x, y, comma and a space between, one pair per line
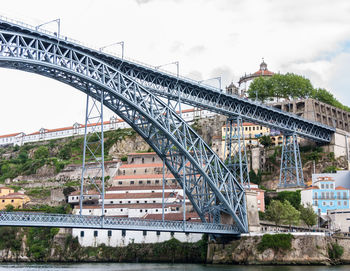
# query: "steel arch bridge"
132, 91
208, 183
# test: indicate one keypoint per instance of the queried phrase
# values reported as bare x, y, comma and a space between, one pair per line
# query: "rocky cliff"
305, 249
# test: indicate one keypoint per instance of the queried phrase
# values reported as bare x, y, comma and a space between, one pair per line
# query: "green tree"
293, 197
9, 208
308, 215
291, 216
41, 153
275, 211
288, 86
265, 140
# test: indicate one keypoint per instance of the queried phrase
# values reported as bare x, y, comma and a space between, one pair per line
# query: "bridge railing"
82, 221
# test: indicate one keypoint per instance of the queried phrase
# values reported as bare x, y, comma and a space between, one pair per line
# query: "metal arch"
210, 186
195, 94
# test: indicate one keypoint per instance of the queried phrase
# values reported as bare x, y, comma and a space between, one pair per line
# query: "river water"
160, 267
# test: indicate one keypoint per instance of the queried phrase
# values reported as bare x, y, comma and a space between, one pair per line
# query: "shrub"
335, 251
41, 153
276, 242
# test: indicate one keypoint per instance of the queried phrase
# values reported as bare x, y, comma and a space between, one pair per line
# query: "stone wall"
306, 249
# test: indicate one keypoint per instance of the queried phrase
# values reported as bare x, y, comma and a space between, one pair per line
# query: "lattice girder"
210, 186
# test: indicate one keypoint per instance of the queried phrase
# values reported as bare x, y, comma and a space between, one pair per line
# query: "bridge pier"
235, 153
291, 172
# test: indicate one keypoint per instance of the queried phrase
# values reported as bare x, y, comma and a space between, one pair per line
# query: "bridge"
136, 92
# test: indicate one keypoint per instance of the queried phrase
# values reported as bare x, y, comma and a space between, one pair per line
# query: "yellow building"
7, 196
252, 132
5, 191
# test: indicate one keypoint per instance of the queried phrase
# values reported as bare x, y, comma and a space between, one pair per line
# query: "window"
143, 160
144, 233
153, 159
81, 233
121, 201
3, 200
345, 203
322, 186
323, 195
123, 233
140, 182
331, 186
137, 201
129, 201
111, 201
134, 171
172, 234
12, 200
344, 195
157, 181
315, 195
327, 186
145, 201
323, 203
158, 233
109, 233
339, 203
140, 210
338, 195
132, 182
105, 211
95, 233
156, 210
148, 182
331, 203
154, 201
187, 233
120, 182
124, 172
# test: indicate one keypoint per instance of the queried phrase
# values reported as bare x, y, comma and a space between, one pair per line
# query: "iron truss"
210, 186
111, 223
196, 94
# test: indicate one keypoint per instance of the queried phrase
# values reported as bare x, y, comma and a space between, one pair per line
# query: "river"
160, 267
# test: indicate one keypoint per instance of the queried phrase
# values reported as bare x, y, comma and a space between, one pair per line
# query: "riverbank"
302, 250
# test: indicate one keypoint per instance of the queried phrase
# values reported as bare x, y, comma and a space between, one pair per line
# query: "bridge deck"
193, 93
22, 219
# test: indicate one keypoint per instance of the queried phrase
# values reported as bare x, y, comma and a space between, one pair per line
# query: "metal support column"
235, 153
93, 153
291, 172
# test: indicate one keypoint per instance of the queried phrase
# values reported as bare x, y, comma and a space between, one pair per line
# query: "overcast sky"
224, 38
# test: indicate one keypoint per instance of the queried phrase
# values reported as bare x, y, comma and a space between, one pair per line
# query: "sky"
226, 38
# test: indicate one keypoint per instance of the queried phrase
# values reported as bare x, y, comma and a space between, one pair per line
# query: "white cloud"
209, 38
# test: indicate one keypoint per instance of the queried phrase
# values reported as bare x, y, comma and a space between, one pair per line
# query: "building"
77, 129
324, 195
9, 197
341, 178
245, 81
251, 133
260, 196
136, 192
339, 220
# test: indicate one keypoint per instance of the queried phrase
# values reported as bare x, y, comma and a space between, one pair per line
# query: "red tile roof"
143, 176
340, 188
142, 153
131, 206
142, 195
141, 165
9, 135
138, 187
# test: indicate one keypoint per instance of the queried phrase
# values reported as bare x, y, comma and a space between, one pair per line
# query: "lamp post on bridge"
183, 160
121, 43
214, 78
58, 21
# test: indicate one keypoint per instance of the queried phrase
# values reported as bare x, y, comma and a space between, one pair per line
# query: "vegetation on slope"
290, 86
27, 159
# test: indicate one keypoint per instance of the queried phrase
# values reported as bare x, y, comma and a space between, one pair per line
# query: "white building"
79, 129
341, 178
